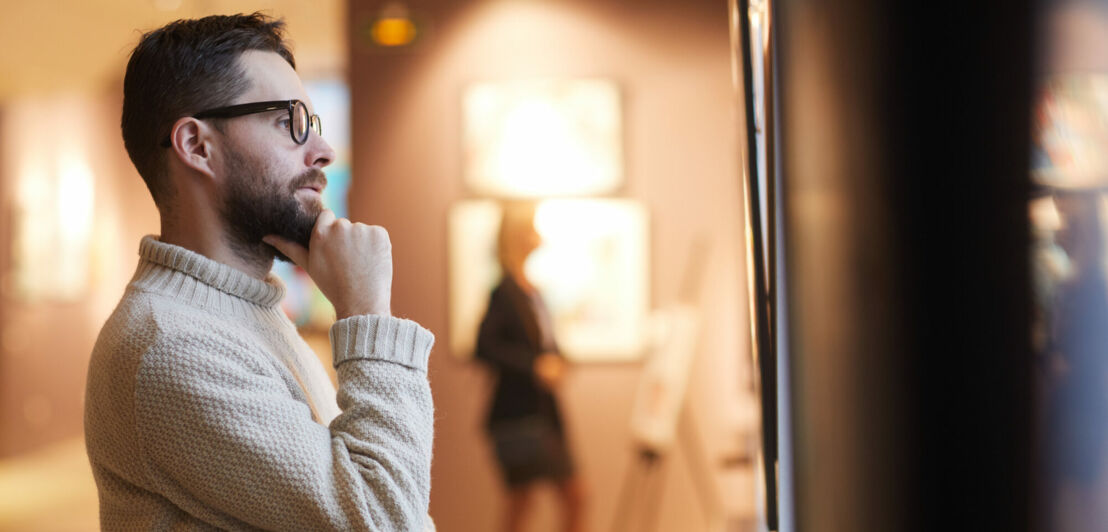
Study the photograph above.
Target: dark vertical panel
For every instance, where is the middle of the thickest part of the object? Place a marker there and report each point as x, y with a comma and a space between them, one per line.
963, 107
904, 167
841, 269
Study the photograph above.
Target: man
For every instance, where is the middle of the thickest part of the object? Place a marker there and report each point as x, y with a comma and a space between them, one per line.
205, 409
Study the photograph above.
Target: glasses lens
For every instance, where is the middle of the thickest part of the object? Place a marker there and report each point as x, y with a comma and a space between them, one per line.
300, 123
316, 125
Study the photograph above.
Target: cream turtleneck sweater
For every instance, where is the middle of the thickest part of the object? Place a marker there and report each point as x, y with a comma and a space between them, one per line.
205, 409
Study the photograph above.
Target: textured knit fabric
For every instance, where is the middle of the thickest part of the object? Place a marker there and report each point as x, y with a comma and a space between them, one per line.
206, 410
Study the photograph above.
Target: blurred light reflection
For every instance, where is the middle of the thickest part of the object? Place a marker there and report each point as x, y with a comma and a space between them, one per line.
1069, 222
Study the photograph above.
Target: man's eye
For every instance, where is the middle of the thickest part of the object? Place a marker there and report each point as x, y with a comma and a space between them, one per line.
285, 123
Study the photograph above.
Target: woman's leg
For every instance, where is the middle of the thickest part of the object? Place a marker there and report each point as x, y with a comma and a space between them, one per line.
519, 506
573, 504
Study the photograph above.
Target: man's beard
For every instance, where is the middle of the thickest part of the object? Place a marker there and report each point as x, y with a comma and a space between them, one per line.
256, 205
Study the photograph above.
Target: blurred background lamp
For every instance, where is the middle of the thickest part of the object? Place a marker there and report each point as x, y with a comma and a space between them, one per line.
394, 26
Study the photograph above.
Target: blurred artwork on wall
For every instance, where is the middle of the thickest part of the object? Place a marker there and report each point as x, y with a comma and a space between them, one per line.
1071, 125
52, 197
538, 138
591, 269
304, 303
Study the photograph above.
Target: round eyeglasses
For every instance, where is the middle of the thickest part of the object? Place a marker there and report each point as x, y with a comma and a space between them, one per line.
301, 124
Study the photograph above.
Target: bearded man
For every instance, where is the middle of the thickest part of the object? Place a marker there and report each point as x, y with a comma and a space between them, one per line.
205, 409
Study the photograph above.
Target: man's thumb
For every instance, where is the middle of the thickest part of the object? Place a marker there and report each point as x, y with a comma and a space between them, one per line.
295, 252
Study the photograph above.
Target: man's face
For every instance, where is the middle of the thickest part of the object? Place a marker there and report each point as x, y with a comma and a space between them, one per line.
259, 201
270, 184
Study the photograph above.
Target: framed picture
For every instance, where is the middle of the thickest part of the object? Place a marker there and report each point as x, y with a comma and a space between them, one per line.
53, 187
591, 270
541, 138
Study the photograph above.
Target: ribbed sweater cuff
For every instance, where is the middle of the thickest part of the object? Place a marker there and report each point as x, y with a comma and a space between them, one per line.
381, 338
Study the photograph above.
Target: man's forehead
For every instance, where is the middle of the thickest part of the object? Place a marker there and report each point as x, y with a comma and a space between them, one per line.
271, 77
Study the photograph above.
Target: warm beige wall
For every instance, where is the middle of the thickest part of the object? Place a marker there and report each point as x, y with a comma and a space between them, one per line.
1076, 36
73, 52
671, 60
45, 345
83, 45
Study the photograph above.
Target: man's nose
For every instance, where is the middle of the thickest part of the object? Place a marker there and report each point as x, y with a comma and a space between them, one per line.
320, 153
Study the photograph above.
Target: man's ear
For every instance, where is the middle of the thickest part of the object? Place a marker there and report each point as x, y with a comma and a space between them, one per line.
191, 143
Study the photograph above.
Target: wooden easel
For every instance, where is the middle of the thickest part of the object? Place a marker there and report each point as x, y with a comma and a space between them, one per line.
640, 494
642, 485
641, 491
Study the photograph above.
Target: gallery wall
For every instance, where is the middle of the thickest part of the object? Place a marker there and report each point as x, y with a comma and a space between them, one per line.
681, 161
47, 334
60, 99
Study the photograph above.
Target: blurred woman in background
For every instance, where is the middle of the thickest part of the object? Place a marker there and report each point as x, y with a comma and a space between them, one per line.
516, 340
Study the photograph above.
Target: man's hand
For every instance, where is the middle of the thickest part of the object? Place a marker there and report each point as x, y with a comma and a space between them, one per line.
351, 263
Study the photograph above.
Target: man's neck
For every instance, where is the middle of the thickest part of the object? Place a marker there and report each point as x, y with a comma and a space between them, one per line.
255, 261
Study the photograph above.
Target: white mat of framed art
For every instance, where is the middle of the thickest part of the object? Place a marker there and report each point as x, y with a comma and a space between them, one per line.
592, 271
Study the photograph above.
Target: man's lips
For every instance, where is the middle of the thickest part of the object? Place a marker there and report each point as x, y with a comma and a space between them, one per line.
313, 180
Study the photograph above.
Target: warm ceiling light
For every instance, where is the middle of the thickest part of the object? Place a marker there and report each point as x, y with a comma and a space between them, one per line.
394, 26
393, 31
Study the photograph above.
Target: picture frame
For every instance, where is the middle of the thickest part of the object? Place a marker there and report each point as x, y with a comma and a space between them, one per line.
538, 138
591, 270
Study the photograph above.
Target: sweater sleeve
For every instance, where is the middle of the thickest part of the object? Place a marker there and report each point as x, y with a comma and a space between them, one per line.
228, 443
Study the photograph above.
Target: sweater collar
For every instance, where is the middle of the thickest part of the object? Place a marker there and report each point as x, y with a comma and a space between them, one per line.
266, 293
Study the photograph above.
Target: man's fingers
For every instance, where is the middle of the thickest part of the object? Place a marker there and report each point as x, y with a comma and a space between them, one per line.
325, 218
297, 253
294, 251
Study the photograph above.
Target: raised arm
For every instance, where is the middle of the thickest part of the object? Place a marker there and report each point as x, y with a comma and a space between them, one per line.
230, 444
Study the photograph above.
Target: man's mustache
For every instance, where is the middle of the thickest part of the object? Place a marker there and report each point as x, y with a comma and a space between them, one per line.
311, 176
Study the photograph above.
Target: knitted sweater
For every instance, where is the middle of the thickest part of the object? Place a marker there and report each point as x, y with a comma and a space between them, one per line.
206, 410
